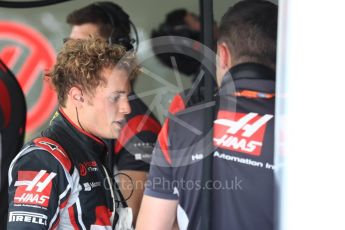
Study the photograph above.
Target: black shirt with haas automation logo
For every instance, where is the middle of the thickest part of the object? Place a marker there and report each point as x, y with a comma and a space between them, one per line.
243, 136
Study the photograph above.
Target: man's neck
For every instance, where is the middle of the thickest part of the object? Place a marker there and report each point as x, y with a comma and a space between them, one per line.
72, 113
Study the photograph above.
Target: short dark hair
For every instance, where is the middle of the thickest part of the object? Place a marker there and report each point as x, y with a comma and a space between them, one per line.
176, 17
249, 28
175, 25
94, 13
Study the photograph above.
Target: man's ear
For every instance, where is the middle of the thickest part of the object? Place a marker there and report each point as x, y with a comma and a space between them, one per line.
76, 96
223, 61
224, 56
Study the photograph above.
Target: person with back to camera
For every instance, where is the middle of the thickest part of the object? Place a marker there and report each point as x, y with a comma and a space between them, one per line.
243, 136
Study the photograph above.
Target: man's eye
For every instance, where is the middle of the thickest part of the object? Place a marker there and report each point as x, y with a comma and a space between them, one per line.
114, 98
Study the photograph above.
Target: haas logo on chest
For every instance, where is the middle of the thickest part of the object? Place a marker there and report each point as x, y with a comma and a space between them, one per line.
240, 132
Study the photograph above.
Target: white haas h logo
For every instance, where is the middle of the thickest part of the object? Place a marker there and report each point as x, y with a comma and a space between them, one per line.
35, 191
242, 135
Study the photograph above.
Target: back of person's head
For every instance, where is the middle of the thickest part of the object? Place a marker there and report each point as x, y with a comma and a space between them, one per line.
249, 28
176, 17
112, 20
180, 23
80, 63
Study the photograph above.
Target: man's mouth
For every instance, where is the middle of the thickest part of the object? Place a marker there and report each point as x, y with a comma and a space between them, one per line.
120, 123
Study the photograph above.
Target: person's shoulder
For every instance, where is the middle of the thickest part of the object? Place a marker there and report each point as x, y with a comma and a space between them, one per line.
187, 98
190, 121
193, 114
42, 153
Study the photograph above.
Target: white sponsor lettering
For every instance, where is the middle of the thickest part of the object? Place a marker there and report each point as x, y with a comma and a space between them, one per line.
238, 159
88, 186
32, 198
197, 156
29, 217
235, 143
138, 156
92, 169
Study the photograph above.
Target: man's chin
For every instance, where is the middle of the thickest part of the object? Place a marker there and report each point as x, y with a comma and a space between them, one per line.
115, 134
112, 134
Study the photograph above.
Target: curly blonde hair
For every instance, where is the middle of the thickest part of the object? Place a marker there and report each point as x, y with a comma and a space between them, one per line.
80, 63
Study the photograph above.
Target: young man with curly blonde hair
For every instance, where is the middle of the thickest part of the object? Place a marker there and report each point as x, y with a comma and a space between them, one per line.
131, 152
59, 179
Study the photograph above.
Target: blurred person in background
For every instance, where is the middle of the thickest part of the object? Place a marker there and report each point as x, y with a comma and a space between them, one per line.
181, 23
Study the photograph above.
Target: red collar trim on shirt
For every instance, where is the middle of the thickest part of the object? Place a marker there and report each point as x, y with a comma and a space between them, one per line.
81, 130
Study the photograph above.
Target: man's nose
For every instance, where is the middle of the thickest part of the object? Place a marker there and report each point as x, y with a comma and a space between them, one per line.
125, 108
